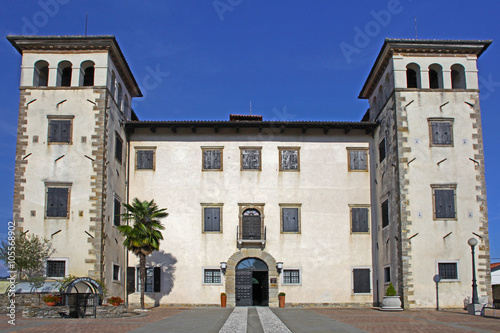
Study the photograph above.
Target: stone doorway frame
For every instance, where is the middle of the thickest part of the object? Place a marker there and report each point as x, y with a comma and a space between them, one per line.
231, 274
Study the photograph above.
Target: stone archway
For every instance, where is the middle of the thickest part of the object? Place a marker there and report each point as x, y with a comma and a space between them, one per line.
231, 274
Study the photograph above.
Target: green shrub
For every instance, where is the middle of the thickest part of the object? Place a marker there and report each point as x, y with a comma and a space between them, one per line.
281, 294
390, 290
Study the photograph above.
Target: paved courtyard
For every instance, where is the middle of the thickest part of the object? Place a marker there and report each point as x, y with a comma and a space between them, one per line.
263, 319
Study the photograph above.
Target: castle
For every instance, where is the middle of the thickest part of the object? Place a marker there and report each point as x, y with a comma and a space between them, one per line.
328, 212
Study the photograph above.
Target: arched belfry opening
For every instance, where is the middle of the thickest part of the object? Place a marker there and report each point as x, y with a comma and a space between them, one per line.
252, 279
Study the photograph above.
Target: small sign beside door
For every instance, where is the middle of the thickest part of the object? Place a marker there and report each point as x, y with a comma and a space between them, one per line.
273, 282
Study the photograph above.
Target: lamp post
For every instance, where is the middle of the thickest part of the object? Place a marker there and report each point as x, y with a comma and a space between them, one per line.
473, 242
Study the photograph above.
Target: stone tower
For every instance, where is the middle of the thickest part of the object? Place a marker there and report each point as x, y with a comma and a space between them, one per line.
75, 96
428, 185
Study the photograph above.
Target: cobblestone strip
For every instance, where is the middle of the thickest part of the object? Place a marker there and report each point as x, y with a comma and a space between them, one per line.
237, 321
270, 322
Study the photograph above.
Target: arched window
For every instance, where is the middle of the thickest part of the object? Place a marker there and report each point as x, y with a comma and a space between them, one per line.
387, 86
41, 75
413, 76
119, 99
112, 85
381, 99
435, 76
64, 74
87, 69
457, 77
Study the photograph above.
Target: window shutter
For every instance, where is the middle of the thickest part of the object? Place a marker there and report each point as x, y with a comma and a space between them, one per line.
445, 203
145, 159
361, 280
359, 219
250, 159
54, 131
357, 159
157, 280
441, 133
116, 220
130, 280
289, 159
290, 219
65, 131
212, 219
57, 202
211, 159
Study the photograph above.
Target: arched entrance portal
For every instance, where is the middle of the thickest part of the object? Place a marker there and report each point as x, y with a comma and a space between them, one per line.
252, 288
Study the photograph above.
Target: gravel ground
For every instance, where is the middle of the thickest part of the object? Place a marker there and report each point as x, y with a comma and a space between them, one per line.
271, 323
237, 321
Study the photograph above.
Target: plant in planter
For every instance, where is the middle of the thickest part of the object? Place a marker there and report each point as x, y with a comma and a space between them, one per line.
51, 300
281, 297
223, 300
115, 301
391, 301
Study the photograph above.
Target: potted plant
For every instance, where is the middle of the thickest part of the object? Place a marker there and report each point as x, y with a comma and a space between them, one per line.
115, 301
51, 300
391, 301
281, 297
223, 300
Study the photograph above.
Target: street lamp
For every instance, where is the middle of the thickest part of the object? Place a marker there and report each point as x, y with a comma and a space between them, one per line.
472, 243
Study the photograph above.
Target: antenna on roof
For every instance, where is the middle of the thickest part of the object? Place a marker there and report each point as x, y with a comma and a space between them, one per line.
415, 27
250, 107
86, 17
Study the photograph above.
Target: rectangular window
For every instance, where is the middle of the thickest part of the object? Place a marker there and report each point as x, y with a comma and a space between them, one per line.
117, 211
118, 148
448, 270
250, 158
60, 128
385, 213
289, 158
145, 159
291, 276
444, 201
358, 159
57, 205
212, 219
387, 274
381, 150
441, 132
130, 280
116, 272
290, 218
56, 268
359, 219
211, 276
361, 280
212, 159
153, 279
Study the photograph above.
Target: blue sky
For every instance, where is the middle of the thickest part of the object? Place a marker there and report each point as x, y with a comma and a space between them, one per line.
211, 58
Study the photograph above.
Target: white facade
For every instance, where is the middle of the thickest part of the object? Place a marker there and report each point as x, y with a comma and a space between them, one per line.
341, 232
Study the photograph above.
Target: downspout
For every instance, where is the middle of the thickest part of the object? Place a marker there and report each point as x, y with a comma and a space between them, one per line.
127, 189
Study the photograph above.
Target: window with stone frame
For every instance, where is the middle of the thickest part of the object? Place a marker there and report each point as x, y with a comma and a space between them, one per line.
359, 219
212, 276
116, 272
251, 158
153, 279
441, 132
145, 158
357, 159
289, 158
212, 158
117, 212
387, 274
291, 276
57, 200
212, 217
361, 280
56, 268
60, 129
444, 201
385, 213
290, 218
448, 270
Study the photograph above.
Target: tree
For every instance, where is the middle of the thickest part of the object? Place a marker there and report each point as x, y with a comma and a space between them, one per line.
31, 251
144, 236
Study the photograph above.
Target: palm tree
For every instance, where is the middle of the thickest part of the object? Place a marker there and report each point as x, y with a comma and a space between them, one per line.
144, 236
